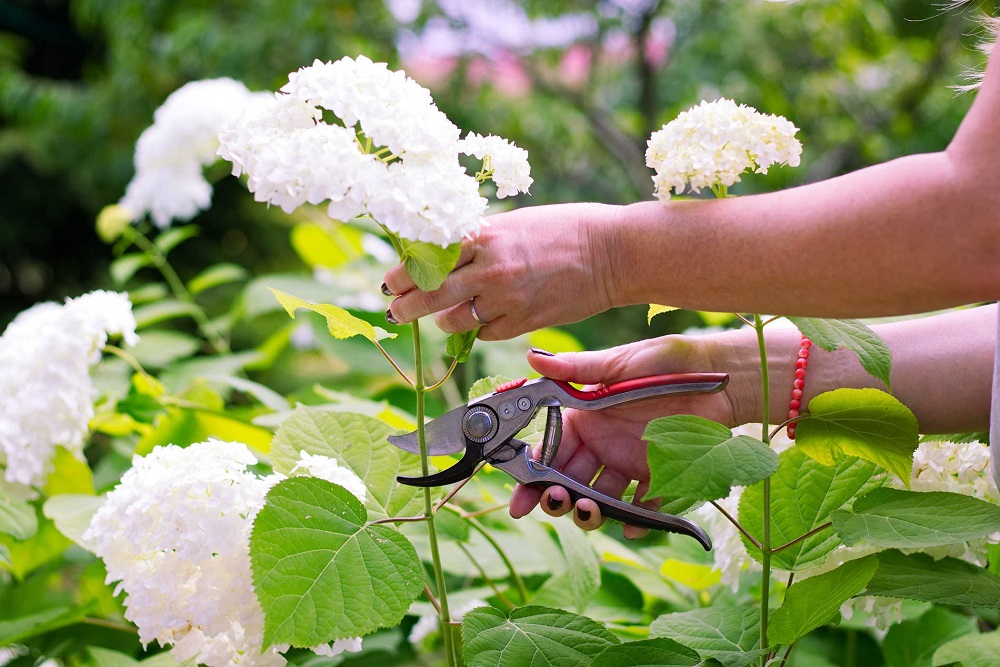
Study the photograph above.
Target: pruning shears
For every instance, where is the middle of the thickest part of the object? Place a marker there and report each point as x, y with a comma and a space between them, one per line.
485, 428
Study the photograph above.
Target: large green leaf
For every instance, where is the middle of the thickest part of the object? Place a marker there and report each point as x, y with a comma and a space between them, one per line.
803, 494
815, 601
580, 580
339, 322
970, 650
731, 635
429, 264
874, 355
71, 513
17, 517
892, 518
866, 423
913, 642
357, 442
322, 572
660, 652
692, 457
532, 635
947, 581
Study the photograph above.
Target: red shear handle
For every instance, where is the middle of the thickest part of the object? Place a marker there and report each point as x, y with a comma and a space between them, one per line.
644, 387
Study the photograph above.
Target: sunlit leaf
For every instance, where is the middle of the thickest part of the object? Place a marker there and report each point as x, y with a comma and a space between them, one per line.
17, 517
340, 323
866, 423
71, 513
329, 246
655, 310
322, 572
874, 355
532, 635
428, 264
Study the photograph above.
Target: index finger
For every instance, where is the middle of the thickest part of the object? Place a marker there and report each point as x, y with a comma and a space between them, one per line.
398, 281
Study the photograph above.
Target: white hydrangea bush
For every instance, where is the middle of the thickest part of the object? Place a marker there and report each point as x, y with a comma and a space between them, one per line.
46, 391
392, 154
712, 144
175, 534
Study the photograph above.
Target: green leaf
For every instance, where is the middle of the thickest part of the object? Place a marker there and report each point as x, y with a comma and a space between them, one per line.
428, 264
577, 584
731, 635
329, 245
71, 513
173, 237
459, 345
555, 340
126, 266
693, 457
340, 323
874, 355
803, 494
17, 517
970, 651
892, 518
5, 560
487, 385
815, 601
866, 423
532, 635
661, 652
158, 348
215, 275
655, 310
947, 581
913, 643
161, 311
358, 443
24, 627
321, 572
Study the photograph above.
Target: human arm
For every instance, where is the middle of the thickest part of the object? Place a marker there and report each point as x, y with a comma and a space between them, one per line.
941, 370
912, 235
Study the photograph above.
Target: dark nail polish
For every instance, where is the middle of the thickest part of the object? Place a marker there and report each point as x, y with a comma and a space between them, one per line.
389, 318
386, 290
554, 503
544, 353
583, 514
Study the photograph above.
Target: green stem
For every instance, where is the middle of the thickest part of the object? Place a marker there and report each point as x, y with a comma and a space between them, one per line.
765, 542
521, 588
442, 593
176, 285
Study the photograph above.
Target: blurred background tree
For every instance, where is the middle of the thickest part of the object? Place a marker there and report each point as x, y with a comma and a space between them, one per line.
579, 84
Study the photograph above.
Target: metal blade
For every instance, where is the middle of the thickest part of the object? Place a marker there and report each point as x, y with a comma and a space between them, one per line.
444, 435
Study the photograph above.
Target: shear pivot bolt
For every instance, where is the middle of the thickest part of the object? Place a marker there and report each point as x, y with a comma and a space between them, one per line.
480, 424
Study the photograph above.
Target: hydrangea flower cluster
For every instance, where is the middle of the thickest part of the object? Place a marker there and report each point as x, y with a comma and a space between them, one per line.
45, 387
395, 156
712, 144
175, 534
507, 164
169, 156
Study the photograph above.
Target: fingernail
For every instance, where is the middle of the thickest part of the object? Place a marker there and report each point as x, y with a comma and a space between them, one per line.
544, 353
389, 317
386, 290
554, 503
583, 514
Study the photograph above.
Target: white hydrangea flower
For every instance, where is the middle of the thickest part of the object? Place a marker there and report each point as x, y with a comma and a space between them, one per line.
881, 613
46, 392
169, 156
729, 555
713, 143
509, 164
175, 536
327, 468
429, 624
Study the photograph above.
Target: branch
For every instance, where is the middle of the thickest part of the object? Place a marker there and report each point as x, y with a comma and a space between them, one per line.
737, 524
798, 539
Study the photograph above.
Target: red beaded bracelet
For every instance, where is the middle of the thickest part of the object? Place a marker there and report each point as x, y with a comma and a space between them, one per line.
798, 384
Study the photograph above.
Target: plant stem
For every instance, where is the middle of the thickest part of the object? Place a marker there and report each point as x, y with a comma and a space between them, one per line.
736, 523
159, 260
765, 543
442, 593
394, 364
802, 537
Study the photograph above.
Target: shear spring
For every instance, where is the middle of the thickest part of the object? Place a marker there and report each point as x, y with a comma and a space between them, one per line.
553, 434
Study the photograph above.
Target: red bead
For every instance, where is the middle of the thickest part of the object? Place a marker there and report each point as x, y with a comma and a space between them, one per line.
804, 353
791, 431
797, 394
801, 363
800, 373
793, 414
795, 404
799, 383
806, 343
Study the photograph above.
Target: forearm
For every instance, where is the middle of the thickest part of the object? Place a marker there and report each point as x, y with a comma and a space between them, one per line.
912, 235
941, 369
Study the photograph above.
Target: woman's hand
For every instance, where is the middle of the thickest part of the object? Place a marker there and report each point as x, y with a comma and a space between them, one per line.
610, 440
530, 268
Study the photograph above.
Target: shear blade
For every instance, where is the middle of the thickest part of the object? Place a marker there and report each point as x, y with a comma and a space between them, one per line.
444, 435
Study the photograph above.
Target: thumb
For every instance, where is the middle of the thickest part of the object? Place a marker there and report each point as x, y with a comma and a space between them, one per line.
580, 367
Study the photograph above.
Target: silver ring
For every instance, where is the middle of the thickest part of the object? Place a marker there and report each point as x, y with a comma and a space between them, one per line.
475, 315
